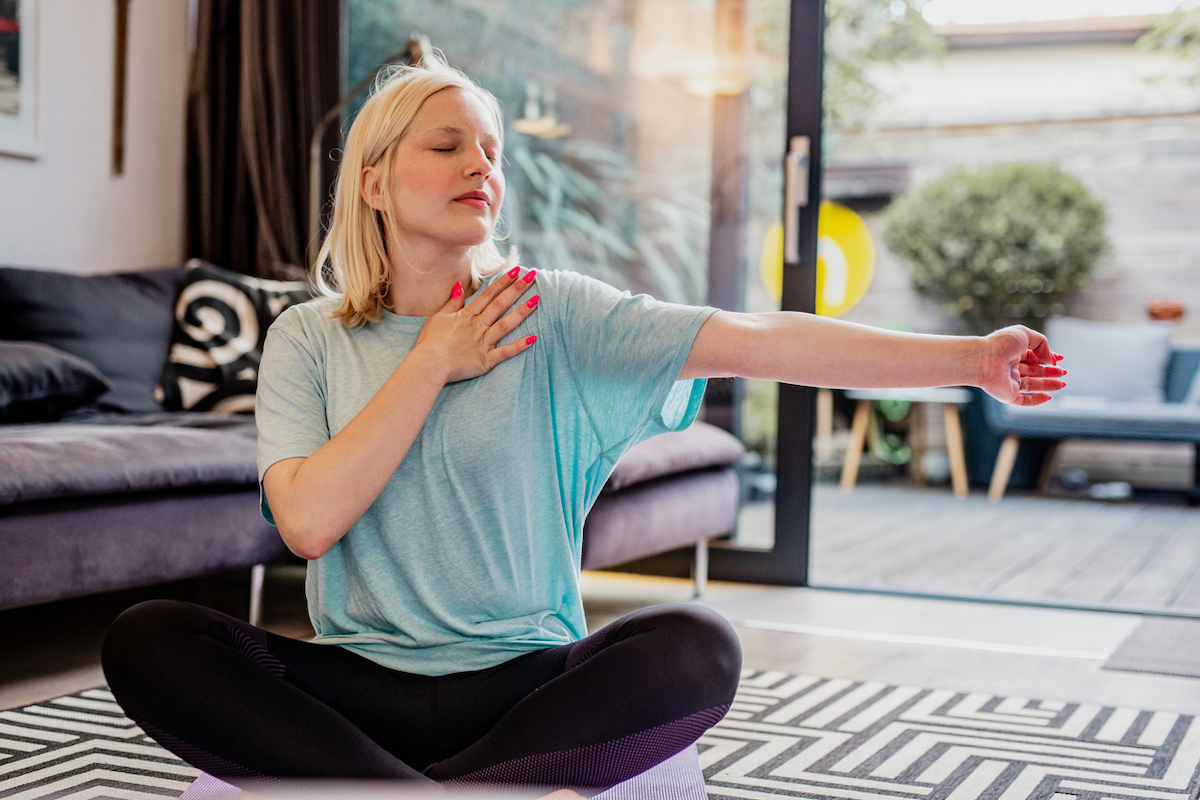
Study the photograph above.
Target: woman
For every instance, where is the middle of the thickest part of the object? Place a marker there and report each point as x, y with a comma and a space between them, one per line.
431, 436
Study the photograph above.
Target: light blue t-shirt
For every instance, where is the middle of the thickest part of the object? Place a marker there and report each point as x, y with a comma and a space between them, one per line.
470, 555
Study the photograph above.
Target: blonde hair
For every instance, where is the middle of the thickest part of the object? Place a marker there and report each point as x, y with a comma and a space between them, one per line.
353, 263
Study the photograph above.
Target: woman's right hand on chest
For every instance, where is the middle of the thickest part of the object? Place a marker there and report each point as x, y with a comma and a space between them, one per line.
462, 340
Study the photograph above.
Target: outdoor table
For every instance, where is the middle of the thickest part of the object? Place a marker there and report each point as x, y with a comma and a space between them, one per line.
949, 398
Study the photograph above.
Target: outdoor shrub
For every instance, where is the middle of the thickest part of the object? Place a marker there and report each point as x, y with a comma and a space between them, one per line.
999, 245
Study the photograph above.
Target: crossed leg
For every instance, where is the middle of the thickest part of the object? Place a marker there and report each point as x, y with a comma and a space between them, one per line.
250, 707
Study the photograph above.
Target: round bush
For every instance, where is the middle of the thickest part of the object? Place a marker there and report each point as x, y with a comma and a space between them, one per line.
999, 245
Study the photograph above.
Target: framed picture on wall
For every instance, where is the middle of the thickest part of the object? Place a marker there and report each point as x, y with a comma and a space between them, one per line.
19, 134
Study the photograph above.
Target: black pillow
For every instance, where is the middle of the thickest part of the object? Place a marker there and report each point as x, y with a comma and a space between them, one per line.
40, 383
221, 321
119, 323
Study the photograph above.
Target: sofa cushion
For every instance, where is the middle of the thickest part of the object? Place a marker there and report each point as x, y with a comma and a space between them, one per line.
119, 323
40, 382
1097, 418
125, 453
221, 321
1182, 369
1113, 360
657, 516
697, 447
1192, 398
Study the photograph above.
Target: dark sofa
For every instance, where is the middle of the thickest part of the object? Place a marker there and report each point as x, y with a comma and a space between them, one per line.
101, 488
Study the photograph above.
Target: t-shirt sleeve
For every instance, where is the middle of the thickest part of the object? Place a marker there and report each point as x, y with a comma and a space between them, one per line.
625, 353
289, 406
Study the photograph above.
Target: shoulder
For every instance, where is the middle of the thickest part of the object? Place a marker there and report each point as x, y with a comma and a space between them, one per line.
575, 291
302, 318
306, 325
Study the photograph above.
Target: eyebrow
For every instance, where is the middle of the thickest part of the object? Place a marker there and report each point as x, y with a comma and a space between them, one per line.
459, 132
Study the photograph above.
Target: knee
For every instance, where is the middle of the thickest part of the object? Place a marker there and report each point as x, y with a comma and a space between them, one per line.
705, 649
136, 637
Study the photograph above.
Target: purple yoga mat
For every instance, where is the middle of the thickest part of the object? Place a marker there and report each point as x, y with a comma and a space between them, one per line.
677, 778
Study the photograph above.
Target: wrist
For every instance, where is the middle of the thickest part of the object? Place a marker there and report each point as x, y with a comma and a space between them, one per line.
978, 360
426, 365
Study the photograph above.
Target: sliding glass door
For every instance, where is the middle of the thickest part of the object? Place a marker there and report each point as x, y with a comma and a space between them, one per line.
648, 146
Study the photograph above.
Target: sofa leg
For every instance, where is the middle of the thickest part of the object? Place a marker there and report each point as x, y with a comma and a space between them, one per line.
256, 585
1006, 459
1193, 498
1048, 464
700, 568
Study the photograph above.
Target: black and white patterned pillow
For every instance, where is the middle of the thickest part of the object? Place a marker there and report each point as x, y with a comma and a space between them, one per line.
221, 321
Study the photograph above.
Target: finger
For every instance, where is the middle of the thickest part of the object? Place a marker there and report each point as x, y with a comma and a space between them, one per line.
455, 303
506, 325
1041, 384
1040, 347
504, 301
1032, 357
1030, 399
505, 352
1039, 371
493, 290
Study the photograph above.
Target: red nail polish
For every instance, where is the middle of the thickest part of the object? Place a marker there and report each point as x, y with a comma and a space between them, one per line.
529, 275
533, 301
530, 339
514, 272
456, 292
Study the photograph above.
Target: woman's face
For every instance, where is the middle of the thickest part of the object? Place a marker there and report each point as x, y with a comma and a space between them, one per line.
446, 185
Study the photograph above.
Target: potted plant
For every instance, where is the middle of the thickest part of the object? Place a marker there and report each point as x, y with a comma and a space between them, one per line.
994, 247
999, 245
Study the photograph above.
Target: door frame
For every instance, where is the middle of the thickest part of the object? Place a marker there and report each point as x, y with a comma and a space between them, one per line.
786, 562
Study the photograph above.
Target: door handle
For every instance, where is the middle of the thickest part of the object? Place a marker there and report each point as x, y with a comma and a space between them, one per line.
795, 191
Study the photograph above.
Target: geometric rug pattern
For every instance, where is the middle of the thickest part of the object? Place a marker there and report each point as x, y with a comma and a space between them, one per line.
785, 736
82, 746
802, 736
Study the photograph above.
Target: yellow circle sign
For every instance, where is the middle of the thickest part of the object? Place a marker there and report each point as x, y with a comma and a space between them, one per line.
845, 260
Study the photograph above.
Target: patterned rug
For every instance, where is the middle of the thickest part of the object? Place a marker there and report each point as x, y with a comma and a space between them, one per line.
800, 736
786, 736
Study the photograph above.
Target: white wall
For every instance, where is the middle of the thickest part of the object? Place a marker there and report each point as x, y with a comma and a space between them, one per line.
66, 210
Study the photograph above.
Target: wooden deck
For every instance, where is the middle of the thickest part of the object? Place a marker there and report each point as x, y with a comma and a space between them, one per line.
893, 537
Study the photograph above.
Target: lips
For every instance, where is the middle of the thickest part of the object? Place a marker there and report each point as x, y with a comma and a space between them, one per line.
475, 199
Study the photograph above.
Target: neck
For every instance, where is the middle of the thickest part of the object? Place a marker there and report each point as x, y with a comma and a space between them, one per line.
423, 277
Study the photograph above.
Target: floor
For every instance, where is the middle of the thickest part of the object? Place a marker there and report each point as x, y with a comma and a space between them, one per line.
1142, 554
1035, 652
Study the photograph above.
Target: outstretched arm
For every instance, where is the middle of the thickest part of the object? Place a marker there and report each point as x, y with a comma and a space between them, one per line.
1014, 364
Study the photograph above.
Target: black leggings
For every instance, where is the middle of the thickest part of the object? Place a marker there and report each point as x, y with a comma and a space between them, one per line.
250, 707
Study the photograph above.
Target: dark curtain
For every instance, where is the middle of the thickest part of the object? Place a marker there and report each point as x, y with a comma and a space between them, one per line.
263, 73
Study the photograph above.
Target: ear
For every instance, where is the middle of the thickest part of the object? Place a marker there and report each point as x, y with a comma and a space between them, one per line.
371, 189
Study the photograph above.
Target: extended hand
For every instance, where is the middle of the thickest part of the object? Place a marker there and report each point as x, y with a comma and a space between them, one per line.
463, 340
1019, 367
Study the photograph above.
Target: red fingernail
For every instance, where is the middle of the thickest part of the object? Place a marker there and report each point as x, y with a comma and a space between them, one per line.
514, 272
530, 339
529, 275
533, 301
456, 292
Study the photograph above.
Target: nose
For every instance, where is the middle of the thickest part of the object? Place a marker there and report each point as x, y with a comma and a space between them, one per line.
479, 164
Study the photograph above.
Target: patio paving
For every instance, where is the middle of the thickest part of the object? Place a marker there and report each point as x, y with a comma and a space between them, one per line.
1122, 555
